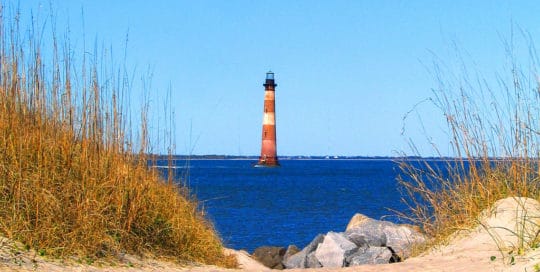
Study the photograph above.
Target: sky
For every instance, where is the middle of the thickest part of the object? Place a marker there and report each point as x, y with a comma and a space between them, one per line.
347, 71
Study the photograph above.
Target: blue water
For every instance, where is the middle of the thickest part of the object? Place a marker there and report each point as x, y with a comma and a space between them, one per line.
251, 207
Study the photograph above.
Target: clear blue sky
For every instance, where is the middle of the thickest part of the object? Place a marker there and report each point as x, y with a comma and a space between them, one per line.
347, 71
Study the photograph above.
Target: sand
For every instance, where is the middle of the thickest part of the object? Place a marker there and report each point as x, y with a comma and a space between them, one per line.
491, 246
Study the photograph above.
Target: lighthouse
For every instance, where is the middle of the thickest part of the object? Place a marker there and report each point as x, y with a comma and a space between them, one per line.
268, 156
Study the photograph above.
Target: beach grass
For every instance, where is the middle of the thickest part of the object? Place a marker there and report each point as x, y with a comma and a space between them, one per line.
494, 132
73, 179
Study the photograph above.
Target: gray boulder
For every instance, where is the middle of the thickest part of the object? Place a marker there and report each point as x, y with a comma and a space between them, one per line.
362, 237
335, 248
299, 260
270, 256
363, 231
357, 220
370, 255
401, 239
291, 250
312, 261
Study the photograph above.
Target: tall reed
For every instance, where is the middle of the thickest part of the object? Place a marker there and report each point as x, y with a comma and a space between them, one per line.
494, 130
72, 179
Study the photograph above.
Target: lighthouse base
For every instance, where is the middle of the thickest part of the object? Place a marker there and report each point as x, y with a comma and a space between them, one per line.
267, 161
264, 165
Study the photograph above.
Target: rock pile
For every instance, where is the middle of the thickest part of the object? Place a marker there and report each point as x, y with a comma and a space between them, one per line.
365, 241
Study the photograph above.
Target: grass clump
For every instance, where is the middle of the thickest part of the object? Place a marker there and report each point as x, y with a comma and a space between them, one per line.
71, 183
494, 132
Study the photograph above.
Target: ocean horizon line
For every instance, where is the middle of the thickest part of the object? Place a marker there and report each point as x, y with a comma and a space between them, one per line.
324, 157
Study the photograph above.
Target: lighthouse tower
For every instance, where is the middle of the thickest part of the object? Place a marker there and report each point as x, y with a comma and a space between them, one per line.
268, 148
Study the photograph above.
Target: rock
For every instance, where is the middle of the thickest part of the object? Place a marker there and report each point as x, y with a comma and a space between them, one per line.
299, 260
367, 236
270, 256
312, 261
357, 220
314, 244
370, 255
399, 238
334, 249
291, 250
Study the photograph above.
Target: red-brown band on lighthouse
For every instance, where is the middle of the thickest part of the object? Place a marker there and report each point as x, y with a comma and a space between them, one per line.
268, 148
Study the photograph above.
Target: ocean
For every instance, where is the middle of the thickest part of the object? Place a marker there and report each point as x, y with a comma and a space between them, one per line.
252, 207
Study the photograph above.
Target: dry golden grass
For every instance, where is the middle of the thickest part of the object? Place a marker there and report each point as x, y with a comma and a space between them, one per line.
70, 183
494, 134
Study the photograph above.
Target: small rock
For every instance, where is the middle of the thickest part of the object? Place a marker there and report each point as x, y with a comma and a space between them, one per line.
370, 255
270, 256
299, 260
366, 236
312, 261
334, 249
401, 239
357, 220
312, 246
291, 250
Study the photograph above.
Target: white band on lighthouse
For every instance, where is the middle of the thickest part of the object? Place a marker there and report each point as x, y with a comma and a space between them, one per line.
269, 118
269, 95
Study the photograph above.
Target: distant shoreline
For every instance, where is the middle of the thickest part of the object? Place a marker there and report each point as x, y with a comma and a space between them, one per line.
312, 158
234, 157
